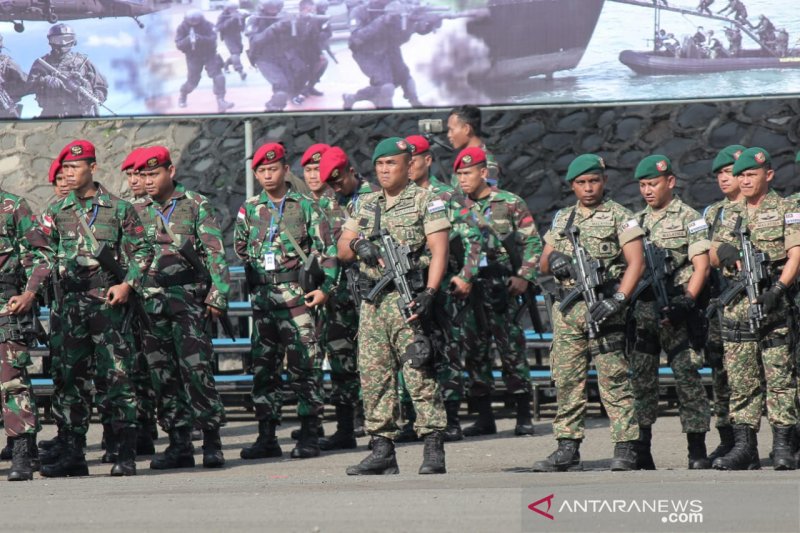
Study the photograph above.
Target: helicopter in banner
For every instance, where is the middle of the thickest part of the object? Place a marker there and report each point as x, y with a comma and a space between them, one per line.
52, 11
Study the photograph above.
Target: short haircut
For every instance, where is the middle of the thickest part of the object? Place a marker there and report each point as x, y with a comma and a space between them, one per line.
471, 115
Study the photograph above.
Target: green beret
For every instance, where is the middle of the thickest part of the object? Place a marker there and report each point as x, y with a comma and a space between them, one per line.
585, 164
389, 147
727, 156
653, 166
751, 158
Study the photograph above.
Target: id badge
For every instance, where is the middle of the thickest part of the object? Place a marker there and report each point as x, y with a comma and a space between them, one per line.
269, 261
483, 262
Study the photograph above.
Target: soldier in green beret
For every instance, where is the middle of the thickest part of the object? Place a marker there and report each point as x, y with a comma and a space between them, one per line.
757, 330
610, 235
668, 310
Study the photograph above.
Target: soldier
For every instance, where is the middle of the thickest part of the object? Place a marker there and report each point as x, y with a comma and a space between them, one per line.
66, 83
318, 33
704, 6
734, 37
230, 26
609, 233
504, 221
754, 331
319, 190
277, 233
722, 167
180, 301
388, 339
680, 231
93, 307
463, 131
56, 178
766, 31
13, 85
196, 38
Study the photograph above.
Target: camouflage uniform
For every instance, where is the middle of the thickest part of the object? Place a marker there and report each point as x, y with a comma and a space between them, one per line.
681, 231
383, 334
177, 346
63, 102
604, 231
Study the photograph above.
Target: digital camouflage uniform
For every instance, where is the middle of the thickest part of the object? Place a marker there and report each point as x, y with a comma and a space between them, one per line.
794, 199
94, 346
177, 346
283, 325
681, 231
774, 229
604, 230
383, 334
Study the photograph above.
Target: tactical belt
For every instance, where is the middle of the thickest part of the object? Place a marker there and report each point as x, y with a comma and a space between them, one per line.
273, 278
365, 285
184, 277
735, 331
84, 285
5, 321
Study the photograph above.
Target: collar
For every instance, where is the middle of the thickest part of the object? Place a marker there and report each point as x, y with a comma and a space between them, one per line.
101, 198
587, 212
263, 198
177, 194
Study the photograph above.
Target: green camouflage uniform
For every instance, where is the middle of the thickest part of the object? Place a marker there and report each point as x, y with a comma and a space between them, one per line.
24, 266
774, 228
604, 230
282, 324
94, 346
383, 334
506, 213
681, 231
178, 347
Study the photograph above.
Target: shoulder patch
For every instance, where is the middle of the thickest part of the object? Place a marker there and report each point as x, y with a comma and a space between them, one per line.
698, 225
435, 206
242, 213
792, 218
632, 223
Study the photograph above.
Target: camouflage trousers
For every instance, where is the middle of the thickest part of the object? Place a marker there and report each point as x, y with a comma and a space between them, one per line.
715, 354
56, 341
569, 361
383, 338
95, 349
742, 364
652, 337
288, 332
18, 404
338, 330
180, 359
146, 400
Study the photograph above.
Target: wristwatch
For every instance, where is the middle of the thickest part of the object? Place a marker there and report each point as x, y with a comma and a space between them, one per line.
620, 297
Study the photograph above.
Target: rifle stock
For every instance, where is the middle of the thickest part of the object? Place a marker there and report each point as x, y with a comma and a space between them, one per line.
105, 257
188, 252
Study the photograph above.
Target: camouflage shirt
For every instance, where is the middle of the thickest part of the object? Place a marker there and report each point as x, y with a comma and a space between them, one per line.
351, 203
409, 218
329, 207
190, 217
508, 214
65, 101
604, 230
23, 248
113, 223
680, 230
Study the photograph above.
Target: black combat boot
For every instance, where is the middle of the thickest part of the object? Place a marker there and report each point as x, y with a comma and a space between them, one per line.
51, 455
308, 444
433, 454
126, 454
566, 458
358, 422
179, 452
453, 431
624, 456
644, 458
744, 454
144, 440
484, 425
343, 438
55, 441
697, 451
212, 449
296, 432
266, 445
7, 452
33, 449
725, 443
407, 433
112, 444
72, 461
524, 423
380, 462
782, 456
21, 468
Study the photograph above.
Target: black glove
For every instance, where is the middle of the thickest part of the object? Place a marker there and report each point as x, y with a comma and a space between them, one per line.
728, 255
53, 83
771, 299
423, 302
561, 266
366, 251
679, 308
604, 309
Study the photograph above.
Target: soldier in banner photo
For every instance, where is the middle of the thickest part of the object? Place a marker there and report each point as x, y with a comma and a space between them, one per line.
13, 85
66, 83
230, 26
197, 39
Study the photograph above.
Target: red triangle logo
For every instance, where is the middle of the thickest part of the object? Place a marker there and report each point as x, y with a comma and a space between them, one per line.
549, 499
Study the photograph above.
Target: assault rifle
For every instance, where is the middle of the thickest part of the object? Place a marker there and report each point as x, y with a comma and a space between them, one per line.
396, 269
105, 257
351, 273
589, 273
529, 296
658, 276
410, 12
73, 87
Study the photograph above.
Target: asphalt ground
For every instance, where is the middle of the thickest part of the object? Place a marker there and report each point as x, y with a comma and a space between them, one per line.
488, 487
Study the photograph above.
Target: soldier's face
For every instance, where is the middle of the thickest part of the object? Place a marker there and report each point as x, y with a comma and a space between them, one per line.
728, 184
271, 176
392, 171
78, 173
345, 183
657, 192
135, 182
472, 179
420, 166
60, 184
755, 182
589, 188
458, 132
158, 181
311, 177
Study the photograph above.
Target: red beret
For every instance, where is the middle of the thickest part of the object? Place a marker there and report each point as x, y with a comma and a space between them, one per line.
469, 157
78, 151
55, 168
130, 160
313, 154
419, 144
152, 157
333, 163
268, 153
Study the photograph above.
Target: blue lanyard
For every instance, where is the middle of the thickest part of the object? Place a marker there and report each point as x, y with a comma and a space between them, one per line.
169, 213
356, 198
94, 215
273, 226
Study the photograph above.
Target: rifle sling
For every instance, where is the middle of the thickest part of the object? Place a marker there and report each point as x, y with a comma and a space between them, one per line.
291, 238
87, 231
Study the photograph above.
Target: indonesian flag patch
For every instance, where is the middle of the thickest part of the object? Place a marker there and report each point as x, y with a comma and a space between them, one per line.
242, 213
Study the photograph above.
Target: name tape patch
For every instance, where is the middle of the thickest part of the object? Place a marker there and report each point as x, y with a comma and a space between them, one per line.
698, 225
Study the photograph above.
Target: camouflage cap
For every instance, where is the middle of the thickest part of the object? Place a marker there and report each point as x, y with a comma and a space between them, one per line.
585, 164
55, 168
418, 144
313, 154
653, 166
152, 157
268, 153
469, 157
727, 156
333, 164
389, 147
78, 151
751, 158
130, 160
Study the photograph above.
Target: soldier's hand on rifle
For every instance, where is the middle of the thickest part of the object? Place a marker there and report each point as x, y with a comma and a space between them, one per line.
459, 287
52, 82
315, 298
605, 309
517, 285
21, 304
118, 294
213, 312
366, 251
679, 308
421, 305
561, 266
771, 299
728, 255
